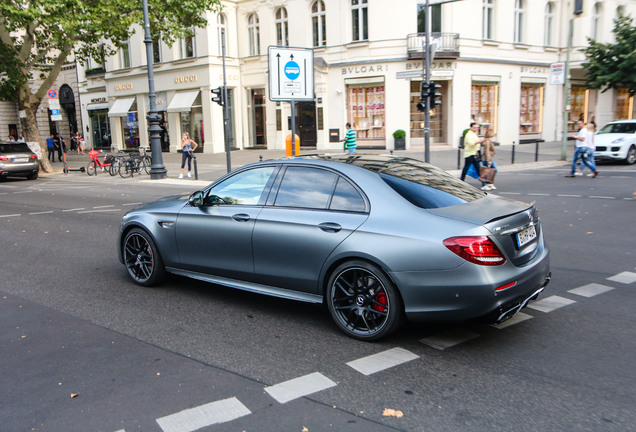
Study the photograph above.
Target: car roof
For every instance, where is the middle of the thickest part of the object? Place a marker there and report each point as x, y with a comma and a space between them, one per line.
622, 121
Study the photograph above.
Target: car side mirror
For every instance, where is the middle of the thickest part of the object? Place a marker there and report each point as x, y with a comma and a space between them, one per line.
196, 199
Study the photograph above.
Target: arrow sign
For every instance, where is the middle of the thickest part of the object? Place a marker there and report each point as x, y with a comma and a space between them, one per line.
291, 74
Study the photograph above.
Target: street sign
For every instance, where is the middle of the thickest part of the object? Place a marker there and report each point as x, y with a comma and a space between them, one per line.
54, 104
55, 115
52, 94
291, 73
557, 73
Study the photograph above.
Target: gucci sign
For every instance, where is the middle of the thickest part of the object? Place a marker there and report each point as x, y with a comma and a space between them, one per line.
186, 78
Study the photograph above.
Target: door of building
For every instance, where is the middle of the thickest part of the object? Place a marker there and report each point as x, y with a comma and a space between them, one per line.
306, 123
101, 130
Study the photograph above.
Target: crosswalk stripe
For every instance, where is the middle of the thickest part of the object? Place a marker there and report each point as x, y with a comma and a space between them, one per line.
591, 290
624, 277
381, 361
449, 339
299, 387
205, 415
550, 304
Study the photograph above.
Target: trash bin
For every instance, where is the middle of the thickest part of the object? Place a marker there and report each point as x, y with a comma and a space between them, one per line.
288, 146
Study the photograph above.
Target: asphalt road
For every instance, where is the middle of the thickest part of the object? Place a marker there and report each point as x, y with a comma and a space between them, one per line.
83, 348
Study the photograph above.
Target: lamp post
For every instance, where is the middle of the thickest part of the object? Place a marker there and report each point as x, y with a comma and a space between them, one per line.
157, 169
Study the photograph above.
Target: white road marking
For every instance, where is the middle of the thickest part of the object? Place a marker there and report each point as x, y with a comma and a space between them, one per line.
11, 215
299, 387
624, 277
205, 415
104, 206
132, 204
602, 197
510, 193
550, 304
591, 290
539, 194
23, 192
570, 196
381, 361
42, 212
449, 339
520, 317
98, 211
72, 210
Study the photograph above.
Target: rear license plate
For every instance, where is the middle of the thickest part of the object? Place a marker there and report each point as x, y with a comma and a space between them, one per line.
526, 236
18, 160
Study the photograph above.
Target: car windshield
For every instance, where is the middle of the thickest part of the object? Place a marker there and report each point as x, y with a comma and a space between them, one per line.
14, 148
422, 184
618, 128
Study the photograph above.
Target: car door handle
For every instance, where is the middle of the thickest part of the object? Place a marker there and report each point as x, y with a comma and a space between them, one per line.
330, 227
241, 217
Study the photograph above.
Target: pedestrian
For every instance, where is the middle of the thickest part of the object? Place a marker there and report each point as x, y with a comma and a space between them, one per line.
74, 141
50, 146
21, 139
471, 149
583, 139
350, 139
81, 145
488, 158
188, 146
11, 139
590, 147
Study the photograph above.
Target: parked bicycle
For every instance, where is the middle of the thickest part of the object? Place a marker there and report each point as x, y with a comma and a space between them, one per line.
106, 164
135, 163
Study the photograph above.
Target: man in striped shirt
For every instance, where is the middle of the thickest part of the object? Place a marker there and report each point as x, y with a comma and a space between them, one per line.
350, 139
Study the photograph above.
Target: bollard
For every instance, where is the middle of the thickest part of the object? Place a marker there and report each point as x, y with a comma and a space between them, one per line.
536, 151
196, 171
459, 154
513, 152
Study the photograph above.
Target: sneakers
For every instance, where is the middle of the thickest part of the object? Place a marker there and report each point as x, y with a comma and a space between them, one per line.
189, 175
488, 187
180, 176
578, 173
594, 175
570, 175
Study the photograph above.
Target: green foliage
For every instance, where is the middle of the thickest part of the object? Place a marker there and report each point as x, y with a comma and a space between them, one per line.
613, 65
399, 134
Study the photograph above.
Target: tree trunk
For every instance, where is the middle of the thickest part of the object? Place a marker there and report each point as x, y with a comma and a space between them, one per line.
29, 124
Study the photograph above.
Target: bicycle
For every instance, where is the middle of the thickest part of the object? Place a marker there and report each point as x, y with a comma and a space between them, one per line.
106, 164
135, 163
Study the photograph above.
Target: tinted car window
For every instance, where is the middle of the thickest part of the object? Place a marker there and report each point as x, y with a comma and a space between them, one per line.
14, 148
244, 188
347, 198
306, 187
618, 128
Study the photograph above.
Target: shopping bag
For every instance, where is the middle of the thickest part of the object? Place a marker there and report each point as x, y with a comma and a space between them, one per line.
487, 174
472, 172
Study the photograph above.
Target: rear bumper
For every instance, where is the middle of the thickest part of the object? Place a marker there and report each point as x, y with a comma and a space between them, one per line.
19, 170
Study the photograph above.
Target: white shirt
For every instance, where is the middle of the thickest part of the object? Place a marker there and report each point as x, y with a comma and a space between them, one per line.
582, 134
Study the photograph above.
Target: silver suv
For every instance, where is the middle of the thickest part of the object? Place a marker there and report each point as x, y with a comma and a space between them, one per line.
17, 159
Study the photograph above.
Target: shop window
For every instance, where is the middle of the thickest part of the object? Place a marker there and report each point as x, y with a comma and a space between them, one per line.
319, 23
624, 105
484, 106
366, 111
578, 99
531, 110
130, 126
192, 122
437, 115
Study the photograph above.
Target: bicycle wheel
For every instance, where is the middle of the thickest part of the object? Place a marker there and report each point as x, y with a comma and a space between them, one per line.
113, 169
126, 168
147, 163
90, 168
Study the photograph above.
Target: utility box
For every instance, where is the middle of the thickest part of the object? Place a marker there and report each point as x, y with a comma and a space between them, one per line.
334, 135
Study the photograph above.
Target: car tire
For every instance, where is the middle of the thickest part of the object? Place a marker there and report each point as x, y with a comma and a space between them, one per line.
33, 176
631, 155
363, 301
141, 258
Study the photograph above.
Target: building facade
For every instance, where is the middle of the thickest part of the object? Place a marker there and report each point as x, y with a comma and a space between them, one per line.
493, 62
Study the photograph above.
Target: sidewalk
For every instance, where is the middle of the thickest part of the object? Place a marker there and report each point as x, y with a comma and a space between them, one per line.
212, 166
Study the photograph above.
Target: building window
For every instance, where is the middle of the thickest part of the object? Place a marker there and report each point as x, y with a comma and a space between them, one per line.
359, 20
192, 122
519, 17
578, 105
282, 27
124, 55
484, 106
366, 111
531, 110
319, 23
595, 31
156, 50
187, 46
624, 105
436, 18
548, 24
221, 28
253, 30
131, 128
487, 19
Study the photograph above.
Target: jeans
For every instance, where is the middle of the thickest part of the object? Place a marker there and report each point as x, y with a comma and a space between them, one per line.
187, 155
586, 155
470, 160
351, 149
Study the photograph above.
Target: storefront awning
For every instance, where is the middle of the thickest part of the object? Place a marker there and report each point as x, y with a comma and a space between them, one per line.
97, 106
121, 107
182, 102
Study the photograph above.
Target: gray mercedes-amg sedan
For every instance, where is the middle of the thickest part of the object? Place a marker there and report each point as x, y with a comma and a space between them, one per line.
379, 239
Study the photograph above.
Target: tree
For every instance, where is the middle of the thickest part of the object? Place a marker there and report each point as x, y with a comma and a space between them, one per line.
612, 65
37, 37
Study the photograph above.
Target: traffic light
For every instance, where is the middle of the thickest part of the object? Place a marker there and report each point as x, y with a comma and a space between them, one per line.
423, 103
434, 96
218, 95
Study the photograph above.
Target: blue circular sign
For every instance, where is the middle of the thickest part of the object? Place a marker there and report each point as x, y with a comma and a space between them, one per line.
292, 70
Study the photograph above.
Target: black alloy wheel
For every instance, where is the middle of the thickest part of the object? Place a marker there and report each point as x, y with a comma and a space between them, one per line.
631, 156
142, 260
363, 301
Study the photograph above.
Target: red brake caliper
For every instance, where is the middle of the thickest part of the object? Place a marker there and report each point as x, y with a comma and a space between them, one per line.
380, 298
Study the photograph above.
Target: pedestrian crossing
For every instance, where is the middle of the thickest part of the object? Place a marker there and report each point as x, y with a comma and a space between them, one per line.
226, 410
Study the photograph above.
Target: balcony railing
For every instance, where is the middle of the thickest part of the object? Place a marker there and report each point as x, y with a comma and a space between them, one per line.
447, 45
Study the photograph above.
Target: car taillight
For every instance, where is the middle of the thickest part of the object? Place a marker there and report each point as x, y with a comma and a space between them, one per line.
34, 156
3, 158
476, 249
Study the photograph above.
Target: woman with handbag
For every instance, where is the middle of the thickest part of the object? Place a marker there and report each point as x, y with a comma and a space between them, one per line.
488, 169
188, 146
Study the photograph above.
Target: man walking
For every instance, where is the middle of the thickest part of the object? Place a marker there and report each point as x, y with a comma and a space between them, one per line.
584, 142
472, 144
50, 146
350, 139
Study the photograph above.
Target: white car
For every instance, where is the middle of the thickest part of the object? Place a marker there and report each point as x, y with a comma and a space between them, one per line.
616, 141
